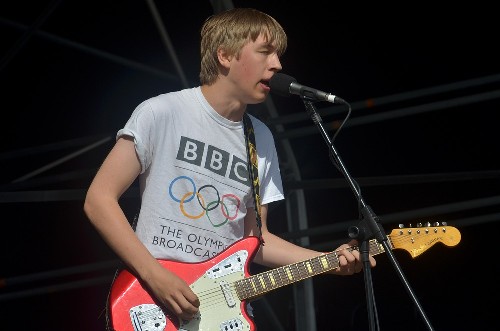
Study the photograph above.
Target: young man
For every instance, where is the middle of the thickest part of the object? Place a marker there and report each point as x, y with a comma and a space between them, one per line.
188, 147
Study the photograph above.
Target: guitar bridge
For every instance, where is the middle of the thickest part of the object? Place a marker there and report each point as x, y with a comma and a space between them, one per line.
148, 317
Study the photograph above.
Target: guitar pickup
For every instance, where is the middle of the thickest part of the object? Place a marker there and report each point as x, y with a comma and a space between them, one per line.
233, 263
231, 325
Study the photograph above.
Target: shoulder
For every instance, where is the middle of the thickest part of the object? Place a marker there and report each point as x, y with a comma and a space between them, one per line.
261, 129
167, 103
172, 98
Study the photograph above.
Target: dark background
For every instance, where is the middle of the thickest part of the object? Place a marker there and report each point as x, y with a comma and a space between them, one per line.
422, 142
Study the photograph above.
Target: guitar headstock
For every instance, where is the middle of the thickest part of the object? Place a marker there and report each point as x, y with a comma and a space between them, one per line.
418, 239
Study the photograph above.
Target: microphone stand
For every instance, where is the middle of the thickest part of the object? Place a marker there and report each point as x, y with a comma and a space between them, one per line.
368, 228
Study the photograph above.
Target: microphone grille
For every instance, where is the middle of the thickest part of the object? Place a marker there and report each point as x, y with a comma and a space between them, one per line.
280, 84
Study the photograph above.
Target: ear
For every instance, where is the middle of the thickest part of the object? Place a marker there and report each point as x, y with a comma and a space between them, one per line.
224, 58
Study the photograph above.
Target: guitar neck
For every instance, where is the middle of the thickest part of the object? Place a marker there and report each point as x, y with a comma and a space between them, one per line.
258, 285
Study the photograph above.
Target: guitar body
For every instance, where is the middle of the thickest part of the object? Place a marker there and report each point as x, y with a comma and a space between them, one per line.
223, 283
131, 308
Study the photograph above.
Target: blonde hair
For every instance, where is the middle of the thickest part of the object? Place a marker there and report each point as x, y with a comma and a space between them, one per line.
231, 30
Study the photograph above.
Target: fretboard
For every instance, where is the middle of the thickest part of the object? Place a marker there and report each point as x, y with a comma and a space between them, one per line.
257, 285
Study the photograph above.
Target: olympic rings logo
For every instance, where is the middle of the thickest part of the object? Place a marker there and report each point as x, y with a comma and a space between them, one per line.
209, 190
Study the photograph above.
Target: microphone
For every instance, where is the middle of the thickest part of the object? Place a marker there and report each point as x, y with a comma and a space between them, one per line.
285, 85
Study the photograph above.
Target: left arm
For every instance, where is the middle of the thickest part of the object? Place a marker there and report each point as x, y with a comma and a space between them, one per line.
277, 252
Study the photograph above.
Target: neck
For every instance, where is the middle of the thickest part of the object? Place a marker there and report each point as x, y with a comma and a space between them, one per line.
223, 102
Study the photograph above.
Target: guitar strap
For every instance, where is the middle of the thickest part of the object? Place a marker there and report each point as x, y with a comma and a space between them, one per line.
253, 170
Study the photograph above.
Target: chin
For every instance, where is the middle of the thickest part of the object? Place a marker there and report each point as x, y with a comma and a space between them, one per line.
258, 99
254, 102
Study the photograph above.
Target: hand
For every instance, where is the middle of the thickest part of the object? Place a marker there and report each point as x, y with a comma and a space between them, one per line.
350, 260
174, 293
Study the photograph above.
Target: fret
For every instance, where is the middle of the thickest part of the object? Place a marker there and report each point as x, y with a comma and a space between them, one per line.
309, 267
294, 268
324, 262
288, 273
303, 271
273, 281
299, 271
259, 284
254, 288
240, 286
281, 275
262, 282
377, 248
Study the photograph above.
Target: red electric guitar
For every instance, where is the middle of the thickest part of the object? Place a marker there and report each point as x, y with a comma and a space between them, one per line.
223, 283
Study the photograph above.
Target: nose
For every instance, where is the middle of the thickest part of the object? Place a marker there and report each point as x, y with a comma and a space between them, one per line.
275, 62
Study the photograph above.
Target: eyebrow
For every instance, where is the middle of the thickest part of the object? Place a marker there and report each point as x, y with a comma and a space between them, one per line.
269, 46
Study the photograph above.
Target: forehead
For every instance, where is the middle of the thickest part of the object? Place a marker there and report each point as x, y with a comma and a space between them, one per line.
262, 41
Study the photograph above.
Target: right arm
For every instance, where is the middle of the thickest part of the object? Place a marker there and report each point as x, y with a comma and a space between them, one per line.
118, 171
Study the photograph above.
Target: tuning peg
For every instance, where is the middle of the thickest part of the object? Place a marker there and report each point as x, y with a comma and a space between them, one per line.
428, 224
419, 225
436, 224
400, 226
444, 223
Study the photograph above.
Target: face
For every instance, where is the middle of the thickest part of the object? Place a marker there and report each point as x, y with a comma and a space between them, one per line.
252, 70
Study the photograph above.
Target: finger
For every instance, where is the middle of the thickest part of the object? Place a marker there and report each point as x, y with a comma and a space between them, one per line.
174, 308
192, 298
182, 308
188, 313
356, 255
188, 309
348, 256
342, 261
